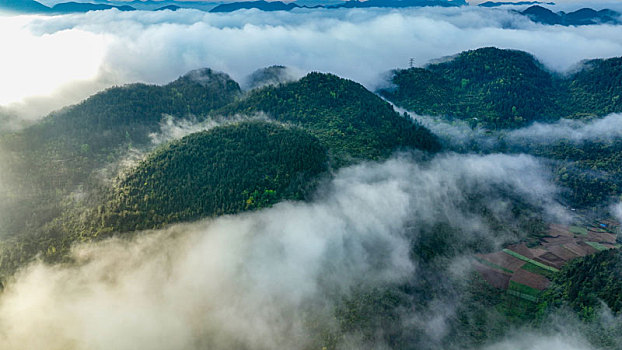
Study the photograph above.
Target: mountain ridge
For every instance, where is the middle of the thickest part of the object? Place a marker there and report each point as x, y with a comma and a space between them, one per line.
506, 89
581, 17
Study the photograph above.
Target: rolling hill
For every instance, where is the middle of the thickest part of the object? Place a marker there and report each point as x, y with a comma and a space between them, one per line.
349, 120
55, 156
28, 6
225, 170
506, 89
327, 122
581, 17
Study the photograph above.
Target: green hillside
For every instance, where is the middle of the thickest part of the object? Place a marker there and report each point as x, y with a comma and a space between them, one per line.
591, 171
54, 156
85, 135
222, 171
589, 289
351, 121
500, 89
331, 121
585, 282
597, 88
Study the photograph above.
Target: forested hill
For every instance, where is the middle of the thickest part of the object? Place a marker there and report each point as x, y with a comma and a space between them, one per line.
506, 89
586, 283
222, 171
351, 121
54, 156
597, 88
85, 135
57, 197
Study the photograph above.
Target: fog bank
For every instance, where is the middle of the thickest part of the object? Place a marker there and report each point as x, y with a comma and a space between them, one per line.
270, 278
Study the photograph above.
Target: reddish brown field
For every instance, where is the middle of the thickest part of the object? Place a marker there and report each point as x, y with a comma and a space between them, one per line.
555, 250
495, 278
504, 260
530, 279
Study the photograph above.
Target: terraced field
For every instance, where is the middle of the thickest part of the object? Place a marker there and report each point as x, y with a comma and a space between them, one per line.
524, 271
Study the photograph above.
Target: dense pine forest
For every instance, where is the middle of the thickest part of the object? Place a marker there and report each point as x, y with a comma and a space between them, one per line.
75, 147
350, 120
222, 171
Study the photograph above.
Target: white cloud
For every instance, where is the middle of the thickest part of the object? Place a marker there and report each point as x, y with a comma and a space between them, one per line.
606, 128
540, 342
261, 280
360, 44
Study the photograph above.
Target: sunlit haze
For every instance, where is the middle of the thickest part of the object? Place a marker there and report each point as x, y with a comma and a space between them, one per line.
38, 64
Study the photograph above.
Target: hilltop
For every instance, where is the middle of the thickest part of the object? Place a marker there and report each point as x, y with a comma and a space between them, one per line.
225, 170
352, 122
506, 89
323, 122
581, 17
64, 150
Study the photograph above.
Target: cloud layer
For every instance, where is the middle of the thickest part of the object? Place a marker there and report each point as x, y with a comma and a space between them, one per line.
112, 47
262, 280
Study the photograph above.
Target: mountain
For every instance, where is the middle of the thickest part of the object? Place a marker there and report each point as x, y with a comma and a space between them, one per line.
333, 122
584, 16
77, 7
221, 171
260, 5
272, 75
31, 6
168, 7
588, 284
280, 6
352, 122
518, 3
596, 88
497, 88
26, 6
588, 16
506, 89
73, 150
542, 15
399, 3
62, 152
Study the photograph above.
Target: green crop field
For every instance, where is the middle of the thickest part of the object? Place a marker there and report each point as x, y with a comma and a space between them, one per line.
578, 230
524, 258
493, 265
538, 270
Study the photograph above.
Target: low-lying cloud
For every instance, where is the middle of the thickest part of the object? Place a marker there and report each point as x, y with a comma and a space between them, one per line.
532, 341
577, 131
360, 44
616, 211
268, 279
460, 135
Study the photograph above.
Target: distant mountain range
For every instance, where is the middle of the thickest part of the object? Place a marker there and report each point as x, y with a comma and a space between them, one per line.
31, 6
281, 6
260, 5
74, 7
536, 13
520, 3
584, 16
